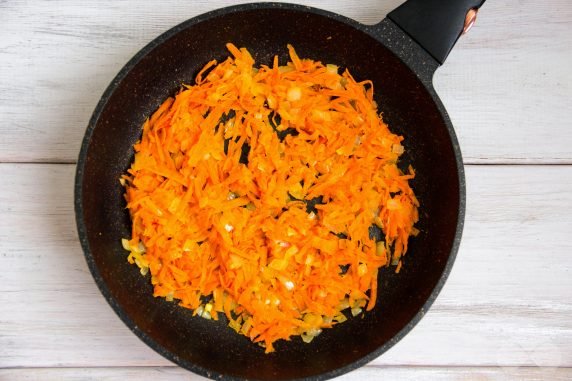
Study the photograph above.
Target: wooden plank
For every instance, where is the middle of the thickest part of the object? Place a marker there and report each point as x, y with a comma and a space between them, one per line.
507, 85
365, 373
509, 78
508, 301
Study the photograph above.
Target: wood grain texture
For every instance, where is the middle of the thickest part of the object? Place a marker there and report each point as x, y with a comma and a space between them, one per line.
508, 301
366, 373
507, 84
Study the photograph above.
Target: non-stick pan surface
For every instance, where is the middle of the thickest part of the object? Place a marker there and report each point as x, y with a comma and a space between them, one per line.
410, 107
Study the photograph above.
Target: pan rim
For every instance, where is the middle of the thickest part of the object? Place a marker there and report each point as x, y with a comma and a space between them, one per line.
93, 122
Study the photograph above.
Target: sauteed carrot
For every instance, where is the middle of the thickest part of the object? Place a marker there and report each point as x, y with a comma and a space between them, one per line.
253, 194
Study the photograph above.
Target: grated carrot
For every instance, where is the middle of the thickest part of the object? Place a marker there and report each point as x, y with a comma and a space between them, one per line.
252, 194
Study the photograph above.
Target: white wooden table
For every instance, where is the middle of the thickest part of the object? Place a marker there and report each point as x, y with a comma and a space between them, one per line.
506, 311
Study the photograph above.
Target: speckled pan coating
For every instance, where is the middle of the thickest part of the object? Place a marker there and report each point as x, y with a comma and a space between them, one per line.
405, 93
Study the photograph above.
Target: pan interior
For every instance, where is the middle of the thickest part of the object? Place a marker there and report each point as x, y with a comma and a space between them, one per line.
209, 347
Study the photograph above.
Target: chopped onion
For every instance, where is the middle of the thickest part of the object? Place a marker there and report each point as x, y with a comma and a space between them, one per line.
125, 244
310, 334
246, 326
344, 304
271, 101
227, 74
294, 94
278, 264
206, 315
293, 249
332, 68
314, 332
285, 69
282, 243
340, 318
289, 285
140, 248
234, 325
397, 148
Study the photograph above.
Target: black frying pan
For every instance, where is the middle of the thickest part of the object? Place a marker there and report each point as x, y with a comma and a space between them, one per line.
400, 55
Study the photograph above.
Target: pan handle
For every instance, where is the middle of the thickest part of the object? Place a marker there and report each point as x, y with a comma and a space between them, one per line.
436, 25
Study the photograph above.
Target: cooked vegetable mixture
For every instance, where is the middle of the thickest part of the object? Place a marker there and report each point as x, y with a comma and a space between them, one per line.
256, 194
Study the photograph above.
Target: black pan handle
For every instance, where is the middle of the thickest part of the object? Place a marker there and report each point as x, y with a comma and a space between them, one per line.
436, 25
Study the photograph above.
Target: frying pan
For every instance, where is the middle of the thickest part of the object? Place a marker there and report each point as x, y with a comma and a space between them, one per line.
400, 55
